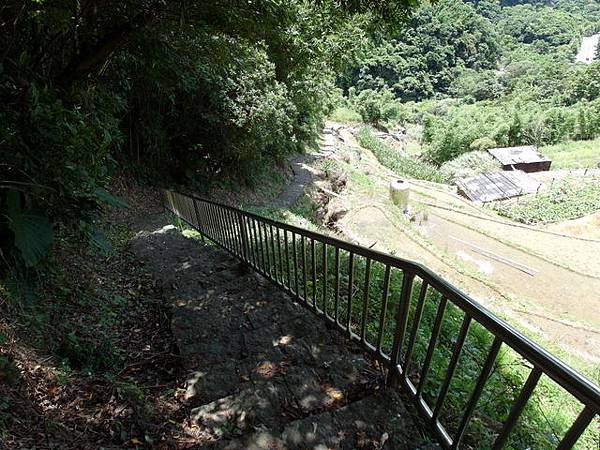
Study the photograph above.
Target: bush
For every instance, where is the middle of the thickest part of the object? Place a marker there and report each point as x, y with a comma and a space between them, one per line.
378, 107
392, 159
566, 200
468, 165
481, 144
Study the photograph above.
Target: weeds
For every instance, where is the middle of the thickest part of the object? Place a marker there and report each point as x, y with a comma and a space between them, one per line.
567, 199
394, 160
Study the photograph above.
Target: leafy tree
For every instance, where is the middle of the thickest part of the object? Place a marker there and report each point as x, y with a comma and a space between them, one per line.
196, 91
420, 60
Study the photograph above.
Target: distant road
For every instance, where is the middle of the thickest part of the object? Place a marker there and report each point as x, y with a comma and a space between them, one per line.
587, 51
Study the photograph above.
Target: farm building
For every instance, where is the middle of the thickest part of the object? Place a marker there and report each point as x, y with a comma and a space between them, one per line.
526, 158
497, 186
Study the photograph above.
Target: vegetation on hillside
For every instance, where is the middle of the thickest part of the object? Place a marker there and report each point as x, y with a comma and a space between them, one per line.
564, 200
506, 80
189, 91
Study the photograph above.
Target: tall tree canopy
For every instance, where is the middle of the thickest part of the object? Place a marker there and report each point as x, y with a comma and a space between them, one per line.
191, 89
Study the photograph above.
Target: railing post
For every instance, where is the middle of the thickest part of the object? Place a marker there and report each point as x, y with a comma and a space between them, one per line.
244, 237
200, 224
401, 319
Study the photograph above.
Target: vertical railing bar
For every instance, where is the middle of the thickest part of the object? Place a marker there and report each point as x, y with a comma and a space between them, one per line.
460, 341
325, 278
287, 259
280, 257
384, 302
365, 311
221, 226
245, 238
202, 220
205, 220
183, 209
199, 221
517, 408
186, 211
217, 228
579, 426
295, 256
481, 380
236, 233
227, 230
415, 327
350, 287
401, 319
336, 285
304, 271
251, 240
268, 268
211, 216
437, 325
272, 240
259, 249
313, 259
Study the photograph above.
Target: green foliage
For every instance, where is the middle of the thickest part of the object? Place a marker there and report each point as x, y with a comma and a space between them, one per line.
564, 200
377, 107
464, 127
479, 85
32, 232
421, 59
573, 155
344, 114
392, 159
468, 165
195, 92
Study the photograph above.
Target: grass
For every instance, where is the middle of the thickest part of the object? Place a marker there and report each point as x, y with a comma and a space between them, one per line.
566, 200
392, 159
573, 154
328, 287
345, 115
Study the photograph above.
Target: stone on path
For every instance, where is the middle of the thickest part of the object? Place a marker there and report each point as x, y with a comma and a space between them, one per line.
264, 372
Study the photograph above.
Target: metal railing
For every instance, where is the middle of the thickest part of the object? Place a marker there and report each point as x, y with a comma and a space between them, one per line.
400, 312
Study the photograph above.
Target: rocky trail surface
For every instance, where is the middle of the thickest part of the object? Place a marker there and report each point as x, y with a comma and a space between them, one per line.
264, 373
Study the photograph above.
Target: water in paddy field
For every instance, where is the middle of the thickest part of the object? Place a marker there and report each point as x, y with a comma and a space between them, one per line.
587, 51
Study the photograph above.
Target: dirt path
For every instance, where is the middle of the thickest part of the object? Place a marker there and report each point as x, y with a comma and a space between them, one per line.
559, 297
303, 173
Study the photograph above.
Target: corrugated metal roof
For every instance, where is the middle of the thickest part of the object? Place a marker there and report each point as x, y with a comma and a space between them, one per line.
517, 155
497, 185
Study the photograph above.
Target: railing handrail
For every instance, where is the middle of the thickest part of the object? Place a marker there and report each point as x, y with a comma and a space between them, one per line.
587, 392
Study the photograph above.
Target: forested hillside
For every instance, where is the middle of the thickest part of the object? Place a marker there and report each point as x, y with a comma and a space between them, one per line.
478, 74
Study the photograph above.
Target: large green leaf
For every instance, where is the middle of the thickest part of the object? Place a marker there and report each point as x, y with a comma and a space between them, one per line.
103, 195
33, 234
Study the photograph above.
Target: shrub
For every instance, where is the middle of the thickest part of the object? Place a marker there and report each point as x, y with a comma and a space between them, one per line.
392, 159
468, 165
377, 107
567, 199
481, 144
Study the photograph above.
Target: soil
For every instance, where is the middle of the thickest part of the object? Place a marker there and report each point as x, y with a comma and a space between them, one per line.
556, 302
